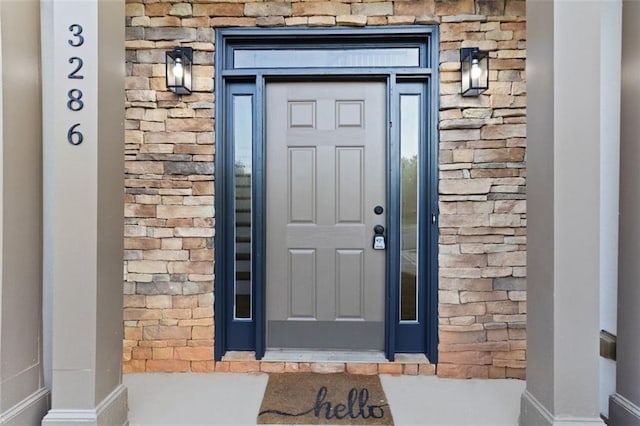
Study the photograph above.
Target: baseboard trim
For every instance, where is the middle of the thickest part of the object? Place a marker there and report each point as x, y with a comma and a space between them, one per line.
534, 413
113, 410
622, 411
30, 410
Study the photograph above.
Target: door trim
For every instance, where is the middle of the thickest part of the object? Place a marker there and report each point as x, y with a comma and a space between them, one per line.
227, 79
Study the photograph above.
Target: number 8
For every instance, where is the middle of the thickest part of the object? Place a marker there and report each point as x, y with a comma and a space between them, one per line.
75, 103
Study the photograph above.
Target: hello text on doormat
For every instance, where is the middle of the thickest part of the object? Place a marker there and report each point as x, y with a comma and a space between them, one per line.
324, 399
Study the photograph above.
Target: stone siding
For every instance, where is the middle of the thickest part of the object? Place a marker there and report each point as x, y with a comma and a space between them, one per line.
482, 246
169, 228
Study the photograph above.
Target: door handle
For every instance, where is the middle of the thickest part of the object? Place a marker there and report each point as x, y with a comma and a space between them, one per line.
379, 242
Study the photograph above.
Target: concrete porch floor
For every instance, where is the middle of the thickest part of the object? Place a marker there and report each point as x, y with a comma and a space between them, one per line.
234, 399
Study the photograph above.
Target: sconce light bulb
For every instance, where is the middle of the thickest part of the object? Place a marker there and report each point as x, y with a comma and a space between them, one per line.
177, 69
476, 72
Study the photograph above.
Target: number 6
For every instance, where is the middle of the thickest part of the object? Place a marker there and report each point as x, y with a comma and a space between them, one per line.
74, 136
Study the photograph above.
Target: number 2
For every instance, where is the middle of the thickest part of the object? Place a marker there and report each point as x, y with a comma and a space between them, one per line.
76, 31
74, 74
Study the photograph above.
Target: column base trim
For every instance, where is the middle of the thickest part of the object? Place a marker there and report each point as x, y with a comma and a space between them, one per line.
533, 412
113, 410
622, 411
28, 411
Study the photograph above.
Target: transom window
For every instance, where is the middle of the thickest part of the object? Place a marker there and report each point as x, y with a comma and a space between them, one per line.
331, 58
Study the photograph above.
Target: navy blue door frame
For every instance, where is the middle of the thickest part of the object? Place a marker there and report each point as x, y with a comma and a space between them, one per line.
420, 80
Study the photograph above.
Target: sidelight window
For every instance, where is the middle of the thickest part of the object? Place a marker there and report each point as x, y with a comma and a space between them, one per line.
416, 275
409, 202
242, 153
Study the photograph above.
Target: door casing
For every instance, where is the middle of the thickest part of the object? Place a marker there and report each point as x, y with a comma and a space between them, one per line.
253, 80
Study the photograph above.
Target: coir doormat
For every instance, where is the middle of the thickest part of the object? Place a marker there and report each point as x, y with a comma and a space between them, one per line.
324, 399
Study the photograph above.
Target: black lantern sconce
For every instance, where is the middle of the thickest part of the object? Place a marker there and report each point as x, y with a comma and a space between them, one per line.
178, 70
475, 71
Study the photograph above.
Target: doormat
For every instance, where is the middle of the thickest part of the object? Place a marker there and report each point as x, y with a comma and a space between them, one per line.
324, 399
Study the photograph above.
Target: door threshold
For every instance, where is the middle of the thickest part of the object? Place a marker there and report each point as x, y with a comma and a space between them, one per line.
324, 356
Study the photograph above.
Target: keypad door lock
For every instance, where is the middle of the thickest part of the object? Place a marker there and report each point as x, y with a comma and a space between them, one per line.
379, 242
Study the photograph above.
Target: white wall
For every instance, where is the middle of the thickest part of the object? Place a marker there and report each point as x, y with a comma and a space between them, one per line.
23, 398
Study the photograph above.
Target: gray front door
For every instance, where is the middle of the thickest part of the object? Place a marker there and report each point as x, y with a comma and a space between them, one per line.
326, 172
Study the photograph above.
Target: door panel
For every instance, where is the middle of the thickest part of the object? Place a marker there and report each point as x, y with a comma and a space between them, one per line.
326, 171
301, 180
349, 184
349, 284
302, 284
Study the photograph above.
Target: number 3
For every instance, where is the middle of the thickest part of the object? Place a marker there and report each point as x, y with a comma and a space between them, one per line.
76, 30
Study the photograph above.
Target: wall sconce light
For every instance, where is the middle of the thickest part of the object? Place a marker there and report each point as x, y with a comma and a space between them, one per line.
475, 71
178, 70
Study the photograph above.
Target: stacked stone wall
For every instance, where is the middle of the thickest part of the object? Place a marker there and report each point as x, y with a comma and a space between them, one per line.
482, 245
169, 215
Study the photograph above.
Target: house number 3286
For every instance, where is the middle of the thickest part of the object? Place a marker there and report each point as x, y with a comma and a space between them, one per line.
74, 101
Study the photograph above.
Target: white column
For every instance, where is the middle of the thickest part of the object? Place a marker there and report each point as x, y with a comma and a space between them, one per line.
624, 408
565, 152
83, 79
